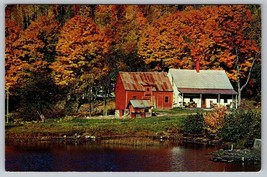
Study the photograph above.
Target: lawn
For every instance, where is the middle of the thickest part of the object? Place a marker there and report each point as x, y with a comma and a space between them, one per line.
99, 127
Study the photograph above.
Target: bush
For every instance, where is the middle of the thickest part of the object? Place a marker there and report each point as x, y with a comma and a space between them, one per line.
241, 125
194, 123
214, 120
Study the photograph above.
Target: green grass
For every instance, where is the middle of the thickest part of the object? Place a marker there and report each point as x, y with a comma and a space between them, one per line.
177, 111
137, 126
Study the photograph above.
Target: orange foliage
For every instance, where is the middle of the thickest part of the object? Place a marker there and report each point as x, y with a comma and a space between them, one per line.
25, 51
214, 120
219, 36
81, 52
214, 35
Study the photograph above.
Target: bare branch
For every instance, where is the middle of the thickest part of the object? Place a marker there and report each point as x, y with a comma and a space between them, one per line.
249, 74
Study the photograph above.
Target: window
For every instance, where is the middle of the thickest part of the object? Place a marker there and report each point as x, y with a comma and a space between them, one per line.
166, 99
147, 91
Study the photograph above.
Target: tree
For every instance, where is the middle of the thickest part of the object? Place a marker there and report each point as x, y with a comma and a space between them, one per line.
30, 51
80, 61
218, 36
38, 95
12, 32
240, 43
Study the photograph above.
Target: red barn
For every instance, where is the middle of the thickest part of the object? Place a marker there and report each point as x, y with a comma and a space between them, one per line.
154, 87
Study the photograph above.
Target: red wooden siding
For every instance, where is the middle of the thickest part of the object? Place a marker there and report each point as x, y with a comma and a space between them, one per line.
152, 86
120, 95
160, 100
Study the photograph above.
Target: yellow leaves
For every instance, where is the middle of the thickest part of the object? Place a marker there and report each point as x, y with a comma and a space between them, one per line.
214, 120
232, 75
81, 49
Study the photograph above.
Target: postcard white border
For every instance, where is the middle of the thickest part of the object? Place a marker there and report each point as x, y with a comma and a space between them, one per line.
3, 173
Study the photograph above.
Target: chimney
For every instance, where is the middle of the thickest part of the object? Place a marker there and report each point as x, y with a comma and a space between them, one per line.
197, 66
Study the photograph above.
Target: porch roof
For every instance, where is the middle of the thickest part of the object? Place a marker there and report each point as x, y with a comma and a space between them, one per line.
208, 91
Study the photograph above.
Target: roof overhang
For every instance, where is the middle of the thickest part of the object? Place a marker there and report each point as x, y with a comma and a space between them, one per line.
208, 91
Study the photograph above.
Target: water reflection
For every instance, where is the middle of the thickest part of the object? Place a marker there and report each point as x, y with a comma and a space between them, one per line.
97, 157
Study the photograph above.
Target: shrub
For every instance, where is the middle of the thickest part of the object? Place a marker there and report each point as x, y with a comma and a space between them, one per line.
213, 121
241, 125
194, 123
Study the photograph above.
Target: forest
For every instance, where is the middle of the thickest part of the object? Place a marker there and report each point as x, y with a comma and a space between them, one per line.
58, 57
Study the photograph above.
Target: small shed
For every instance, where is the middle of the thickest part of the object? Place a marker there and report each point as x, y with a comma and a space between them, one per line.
139, 107
201, 88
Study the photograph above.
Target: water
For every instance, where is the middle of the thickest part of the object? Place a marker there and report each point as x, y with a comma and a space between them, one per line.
97, 157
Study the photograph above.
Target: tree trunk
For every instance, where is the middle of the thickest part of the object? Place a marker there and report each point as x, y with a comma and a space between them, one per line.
239, 93
239, 87
105, 104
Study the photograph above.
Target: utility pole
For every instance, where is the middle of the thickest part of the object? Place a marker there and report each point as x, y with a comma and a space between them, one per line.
7, 103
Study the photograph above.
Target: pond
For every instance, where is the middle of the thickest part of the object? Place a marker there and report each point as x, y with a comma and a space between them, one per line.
100, 158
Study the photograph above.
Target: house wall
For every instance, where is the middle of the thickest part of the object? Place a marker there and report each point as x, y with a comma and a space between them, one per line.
177, 99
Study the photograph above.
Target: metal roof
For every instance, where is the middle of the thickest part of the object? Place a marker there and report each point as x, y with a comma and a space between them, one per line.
140, 103
204, 79
137, 81
208, 91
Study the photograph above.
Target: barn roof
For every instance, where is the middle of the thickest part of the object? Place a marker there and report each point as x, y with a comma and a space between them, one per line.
213, 81
137, 80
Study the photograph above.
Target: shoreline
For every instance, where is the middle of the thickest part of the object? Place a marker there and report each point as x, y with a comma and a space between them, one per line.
11, 138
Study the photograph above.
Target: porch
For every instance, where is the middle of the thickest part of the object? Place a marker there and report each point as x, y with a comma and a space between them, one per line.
204, 98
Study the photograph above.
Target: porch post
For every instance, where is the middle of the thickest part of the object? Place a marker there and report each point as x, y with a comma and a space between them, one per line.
182, 100
219, 99
201, 100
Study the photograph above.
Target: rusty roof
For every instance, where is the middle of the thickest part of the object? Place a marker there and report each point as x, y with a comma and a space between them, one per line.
140, 103
136, 81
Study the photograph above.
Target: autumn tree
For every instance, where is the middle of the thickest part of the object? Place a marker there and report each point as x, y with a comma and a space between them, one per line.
218, 36
240, 46
180, 39
155, 41
27, 53
31, 51
12, 32
124, 24
80, 61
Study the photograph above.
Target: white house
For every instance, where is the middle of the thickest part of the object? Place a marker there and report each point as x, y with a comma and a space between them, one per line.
201, 88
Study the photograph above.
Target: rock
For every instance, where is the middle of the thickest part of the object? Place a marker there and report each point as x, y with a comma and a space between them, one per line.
237, 156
